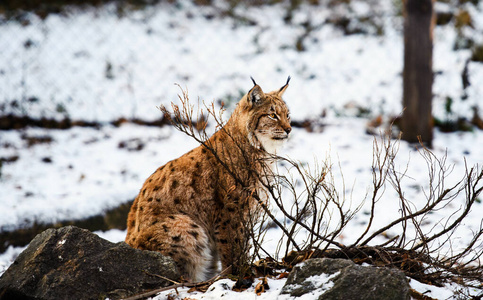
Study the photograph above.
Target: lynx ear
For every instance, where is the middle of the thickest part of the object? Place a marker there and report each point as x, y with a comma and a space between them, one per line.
283, 88
255, 95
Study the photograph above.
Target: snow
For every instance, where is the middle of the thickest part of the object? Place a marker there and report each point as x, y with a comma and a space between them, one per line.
222, 289
126, 66
88, 172
425, 289
9, 256
321, 284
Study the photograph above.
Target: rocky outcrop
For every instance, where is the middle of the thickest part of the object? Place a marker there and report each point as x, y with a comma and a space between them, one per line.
330, 279
73, 263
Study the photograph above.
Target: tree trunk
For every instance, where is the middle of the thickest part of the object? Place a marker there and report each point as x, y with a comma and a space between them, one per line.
417, 120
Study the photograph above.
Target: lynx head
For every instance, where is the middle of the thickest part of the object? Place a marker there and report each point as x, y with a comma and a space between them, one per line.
267, 117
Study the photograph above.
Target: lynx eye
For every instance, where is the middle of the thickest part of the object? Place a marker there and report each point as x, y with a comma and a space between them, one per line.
272, 116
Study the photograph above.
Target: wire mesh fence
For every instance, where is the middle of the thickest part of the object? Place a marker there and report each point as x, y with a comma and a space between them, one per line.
121, 60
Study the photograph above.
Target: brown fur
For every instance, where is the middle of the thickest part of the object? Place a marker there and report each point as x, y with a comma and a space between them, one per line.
195, 208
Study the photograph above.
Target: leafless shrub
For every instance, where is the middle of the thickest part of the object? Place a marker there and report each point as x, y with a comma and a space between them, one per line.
314, 212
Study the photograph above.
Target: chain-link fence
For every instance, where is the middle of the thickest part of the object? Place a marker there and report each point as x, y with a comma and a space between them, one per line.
120, 60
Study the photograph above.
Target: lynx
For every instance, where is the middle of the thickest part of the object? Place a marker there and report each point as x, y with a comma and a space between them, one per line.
195, 208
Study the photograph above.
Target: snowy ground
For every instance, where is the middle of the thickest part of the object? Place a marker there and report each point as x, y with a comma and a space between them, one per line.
81, 172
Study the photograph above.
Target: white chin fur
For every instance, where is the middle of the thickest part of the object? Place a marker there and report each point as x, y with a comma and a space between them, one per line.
270, 145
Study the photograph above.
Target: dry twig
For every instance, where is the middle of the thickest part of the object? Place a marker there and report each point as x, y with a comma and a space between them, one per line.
319, 211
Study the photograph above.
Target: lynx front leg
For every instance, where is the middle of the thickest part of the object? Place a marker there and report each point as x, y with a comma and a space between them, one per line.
232, 239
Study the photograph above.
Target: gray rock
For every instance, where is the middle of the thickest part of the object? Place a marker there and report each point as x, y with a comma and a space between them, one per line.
330, 279
73, 263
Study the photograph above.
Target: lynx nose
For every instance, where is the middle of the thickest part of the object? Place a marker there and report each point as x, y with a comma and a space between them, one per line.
288, 129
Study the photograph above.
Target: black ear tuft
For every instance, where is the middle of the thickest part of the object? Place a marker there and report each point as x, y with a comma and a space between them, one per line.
253, 80
283, 88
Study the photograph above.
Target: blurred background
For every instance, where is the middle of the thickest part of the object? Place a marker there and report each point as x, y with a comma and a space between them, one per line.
100, 61
80, 83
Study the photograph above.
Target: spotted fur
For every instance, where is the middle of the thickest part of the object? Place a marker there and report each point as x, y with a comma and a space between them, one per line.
196, 207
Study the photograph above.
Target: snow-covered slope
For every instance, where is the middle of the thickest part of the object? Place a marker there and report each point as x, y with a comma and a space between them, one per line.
93, 65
